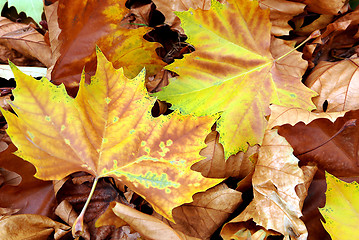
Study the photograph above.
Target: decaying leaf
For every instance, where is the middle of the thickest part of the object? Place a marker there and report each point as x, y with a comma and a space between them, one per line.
341, 211
233, 71
31, 227
276, 205
108, 130
99, 23
337, 84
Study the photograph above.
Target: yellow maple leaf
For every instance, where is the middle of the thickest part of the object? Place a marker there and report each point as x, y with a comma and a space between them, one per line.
108, 130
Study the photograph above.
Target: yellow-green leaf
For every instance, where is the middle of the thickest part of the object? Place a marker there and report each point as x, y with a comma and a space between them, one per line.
233, 71
108, 130
341, 211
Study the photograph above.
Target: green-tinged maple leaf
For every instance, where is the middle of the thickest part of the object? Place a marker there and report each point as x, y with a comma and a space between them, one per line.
32, 8
108, 130
234, 71
84, 25
341, 211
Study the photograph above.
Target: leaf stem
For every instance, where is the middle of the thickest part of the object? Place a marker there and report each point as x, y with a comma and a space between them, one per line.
78, 226
313, 35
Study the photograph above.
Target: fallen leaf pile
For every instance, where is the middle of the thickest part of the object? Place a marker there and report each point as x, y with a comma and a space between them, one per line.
222, 119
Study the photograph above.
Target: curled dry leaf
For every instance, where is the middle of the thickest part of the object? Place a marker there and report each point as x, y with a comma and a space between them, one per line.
284, 115
216, 166
208, 211
24, 39
281, 11
276, 205
337, 84
31, 227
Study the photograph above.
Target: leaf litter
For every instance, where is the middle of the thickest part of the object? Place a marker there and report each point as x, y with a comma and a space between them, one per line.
232, 151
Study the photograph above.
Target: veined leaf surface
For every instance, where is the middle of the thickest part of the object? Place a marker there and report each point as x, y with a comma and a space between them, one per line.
234, 71
108, 130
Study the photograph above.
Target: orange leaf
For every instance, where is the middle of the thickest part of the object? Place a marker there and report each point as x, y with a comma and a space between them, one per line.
108, 130
84, 25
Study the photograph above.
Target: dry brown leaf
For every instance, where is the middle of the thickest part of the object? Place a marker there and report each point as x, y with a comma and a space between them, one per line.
281, 11
215, 165
31, 227
326, 6
338, 156
337, 84
206, 213
24, 39
276, 205
283, 115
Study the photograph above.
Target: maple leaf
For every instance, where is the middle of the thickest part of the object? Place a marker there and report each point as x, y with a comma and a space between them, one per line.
89, 23
341, 211
108, 130
232, 71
